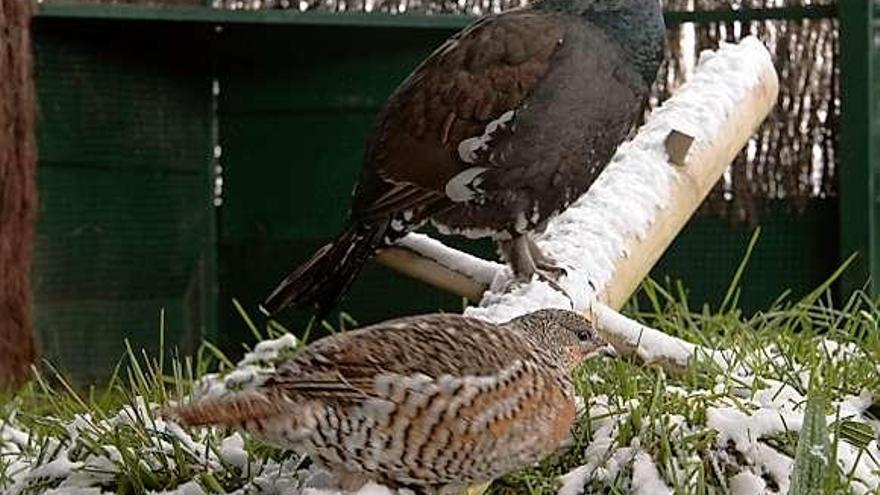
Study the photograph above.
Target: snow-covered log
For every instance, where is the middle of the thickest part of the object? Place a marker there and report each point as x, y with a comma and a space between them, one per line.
612, 236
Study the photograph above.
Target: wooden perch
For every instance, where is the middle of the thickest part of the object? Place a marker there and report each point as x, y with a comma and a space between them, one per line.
705, 163
422, 258
611, 237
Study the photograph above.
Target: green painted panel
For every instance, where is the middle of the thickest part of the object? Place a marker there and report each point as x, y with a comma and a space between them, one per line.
126, 225
119, 96
264, 17
289, 176
316, 69
294, 114
249, 270
295, 108
123, 234
86, 338
796, 252
857, 205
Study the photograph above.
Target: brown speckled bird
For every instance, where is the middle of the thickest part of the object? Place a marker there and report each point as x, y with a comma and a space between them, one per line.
424, 401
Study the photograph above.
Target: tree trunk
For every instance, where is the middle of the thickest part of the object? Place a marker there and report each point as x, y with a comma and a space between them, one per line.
17, 191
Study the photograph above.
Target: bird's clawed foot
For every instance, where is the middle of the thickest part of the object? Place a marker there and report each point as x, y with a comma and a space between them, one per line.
527, 260
550, 279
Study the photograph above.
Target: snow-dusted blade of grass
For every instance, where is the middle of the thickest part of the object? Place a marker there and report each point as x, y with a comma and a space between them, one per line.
812, 456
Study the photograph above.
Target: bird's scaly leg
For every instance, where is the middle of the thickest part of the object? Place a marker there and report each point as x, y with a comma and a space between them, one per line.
544, 263
520, 251
516, 252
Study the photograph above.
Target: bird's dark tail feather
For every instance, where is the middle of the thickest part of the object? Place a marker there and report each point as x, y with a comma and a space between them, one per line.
328, 274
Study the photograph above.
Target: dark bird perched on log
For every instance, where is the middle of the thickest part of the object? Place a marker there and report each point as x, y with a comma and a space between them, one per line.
497, 131
423, 401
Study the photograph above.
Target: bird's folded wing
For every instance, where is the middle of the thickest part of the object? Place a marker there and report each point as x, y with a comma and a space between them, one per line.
451, 106
346, 366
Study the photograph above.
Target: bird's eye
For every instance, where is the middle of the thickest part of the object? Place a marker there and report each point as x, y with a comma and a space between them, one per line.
584, 335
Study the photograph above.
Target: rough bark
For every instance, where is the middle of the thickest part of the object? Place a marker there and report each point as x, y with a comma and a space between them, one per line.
17, 191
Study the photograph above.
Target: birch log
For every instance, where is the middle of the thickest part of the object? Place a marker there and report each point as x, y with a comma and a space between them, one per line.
611, 237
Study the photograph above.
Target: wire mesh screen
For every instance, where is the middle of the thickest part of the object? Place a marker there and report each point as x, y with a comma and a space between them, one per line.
124, 228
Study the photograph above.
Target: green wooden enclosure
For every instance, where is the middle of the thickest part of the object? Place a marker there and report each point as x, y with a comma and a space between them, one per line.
145, 111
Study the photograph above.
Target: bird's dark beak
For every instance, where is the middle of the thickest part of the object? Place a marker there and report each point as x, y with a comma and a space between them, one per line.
596, 349
607, 350
603, 350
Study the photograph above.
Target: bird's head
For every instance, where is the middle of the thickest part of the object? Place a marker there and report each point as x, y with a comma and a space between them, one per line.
637, 26
565, 334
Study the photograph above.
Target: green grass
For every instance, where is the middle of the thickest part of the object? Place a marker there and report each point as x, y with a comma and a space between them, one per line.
779, 365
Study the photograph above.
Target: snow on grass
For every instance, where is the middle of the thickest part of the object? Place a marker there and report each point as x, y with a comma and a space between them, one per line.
741, 428
734, 426
727, 424
646, 478
251, 370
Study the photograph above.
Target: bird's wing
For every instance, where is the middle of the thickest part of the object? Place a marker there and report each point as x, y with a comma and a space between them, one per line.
345, 367
460, 98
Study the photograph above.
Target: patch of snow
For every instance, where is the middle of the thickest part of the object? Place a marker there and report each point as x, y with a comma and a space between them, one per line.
232, 452
480, 270
650, 345
747, 483
837, 351
604, 458
646, 479
250, 371
743, 432
778, 395
856, 405
744, 429
73, 491
188, 488
268, 350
